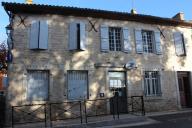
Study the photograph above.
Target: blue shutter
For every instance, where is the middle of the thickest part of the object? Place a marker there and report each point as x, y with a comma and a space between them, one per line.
158, 46
34, 36
43, 35
37, 87
138, 41
179, 44
104, 32
72, 44
126, 41
77, 85
82, 36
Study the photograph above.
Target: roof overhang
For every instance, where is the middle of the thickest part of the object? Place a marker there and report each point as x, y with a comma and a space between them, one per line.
95, 13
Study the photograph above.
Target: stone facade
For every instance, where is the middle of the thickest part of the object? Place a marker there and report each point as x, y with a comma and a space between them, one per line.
58, 60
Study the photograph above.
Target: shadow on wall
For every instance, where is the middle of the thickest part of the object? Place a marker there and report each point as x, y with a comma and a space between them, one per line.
59, 59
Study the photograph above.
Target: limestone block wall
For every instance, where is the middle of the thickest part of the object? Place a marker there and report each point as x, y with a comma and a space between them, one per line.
58, 60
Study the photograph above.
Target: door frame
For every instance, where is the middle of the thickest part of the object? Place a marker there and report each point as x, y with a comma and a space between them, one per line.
189, 75
125, 77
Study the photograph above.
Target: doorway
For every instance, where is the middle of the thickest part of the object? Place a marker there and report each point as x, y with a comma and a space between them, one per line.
184, 88
117, 86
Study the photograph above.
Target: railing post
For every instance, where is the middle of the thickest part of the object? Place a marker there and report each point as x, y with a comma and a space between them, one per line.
80, 112
117, 100
12, 120
45, 115
143, 106
113, 104
50, 114
85, 111
132, 104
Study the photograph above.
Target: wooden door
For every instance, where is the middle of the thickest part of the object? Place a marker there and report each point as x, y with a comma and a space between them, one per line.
184, 89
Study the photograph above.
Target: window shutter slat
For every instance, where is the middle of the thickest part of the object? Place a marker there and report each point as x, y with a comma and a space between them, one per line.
126, 41
158, 46
34, 36
72, 36
179, 46
138, 41
104, 31
43, 37
82, 36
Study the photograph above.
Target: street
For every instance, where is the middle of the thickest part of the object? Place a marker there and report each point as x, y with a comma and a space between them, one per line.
182, 120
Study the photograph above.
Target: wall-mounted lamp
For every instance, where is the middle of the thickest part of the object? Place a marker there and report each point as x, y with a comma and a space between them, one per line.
8, 29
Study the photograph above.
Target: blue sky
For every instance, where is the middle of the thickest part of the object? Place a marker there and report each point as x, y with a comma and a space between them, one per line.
162, 8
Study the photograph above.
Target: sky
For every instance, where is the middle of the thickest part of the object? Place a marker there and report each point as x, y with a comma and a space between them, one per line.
162, 8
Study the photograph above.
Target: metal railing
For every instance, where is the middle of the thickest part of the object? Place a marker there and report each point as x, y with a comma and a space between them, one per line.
76, 110
33, 113
65, 111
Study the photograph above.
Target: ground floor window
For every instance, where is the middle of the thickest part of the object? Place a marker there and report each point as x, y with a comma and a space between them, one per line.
77, 84
152, 84
38, 83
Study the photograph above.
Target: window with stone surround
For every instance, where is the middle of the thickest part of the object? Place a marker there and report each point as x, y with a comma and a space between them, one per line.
38, 84
115, 39
152, 84
148, 41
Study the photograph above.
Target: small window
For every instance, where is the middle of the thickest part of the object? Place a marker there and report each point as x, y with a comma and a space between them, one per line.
37, 87
148, 41
152, 85
115, 39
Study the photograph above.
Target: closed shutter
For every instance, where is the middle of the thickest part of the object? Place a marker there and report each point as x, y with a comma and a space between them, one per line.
82, 36
72, 36
158, 46
138, 41
34, 36
104, 31
126, 41
179, 44
43, 35
77, 85
37, 88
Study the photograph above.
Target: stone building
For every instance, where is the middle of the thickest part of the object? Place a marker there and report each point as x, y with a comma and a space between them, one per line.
66, 53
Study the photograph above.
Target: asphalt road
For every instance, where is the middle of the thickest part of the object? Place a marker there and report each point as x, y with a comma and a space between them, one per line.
182, 120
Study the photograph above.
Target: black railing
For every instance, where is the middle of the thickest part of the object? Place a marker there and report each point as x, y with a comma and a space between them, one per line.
77, 110
32, 113
97, 107
65, 110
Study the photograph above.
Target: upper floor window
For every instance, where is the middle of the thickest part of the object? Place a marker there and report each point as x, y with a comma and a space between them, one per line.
77, 36
152, 84
115, 39
115, 42
179, 44
39, 35
148, 41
